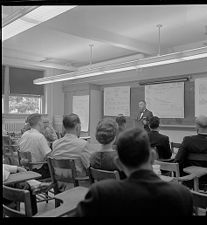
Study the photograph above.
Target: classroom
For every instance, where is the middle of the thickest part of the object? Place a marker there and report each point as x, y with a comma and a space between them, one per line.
71, 73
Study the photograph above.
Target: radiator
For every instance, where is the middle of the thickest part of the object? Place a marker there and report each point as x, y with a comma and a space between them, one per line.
14, 126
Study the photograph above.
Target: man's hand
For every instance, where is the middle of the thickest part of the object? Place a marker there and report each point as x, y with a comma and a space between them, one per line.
21, 169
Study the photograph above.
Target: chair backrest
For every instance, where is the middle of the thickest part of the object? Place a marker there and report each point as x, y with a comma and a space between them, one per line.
25, 158
168, 166
63, 170
174, 145
17, 195
199, 200
97, 174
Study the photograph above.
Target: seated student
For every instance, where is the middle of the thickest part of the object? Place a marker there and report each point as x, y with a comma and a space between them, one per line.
106, 131
142, 193
71, 145
7, 170
196, 144
121, 121
160, 141
33, 141
48, 131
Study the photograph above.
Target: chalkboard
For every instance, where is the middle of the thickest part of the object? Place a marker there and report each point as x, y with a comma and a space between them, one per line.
117, 101
138, 93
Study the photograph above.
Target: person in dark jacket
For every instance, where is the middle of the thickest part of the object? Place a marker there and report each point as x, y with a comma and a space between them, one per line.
194, 146
121, 121
160, 141
142, 193
144, 115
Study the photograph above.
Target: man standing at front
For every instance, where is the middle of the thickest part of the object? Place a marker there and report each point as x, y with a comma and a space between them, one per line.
144, 115
71, 146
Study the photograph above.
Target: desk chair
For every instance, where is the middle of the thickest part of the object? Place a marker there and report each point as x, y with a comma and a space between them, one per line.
18, 196
9, 150
63, 170
25, 160
198, 161
175, 172
199, 201
97, 174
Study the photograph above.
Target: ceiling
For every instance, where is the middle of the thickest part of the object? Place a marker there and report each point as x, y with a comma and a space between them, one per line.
115, 32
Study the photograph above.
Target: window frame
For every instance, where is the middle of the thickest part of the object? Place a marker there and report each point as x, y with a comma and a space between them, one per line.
41, 97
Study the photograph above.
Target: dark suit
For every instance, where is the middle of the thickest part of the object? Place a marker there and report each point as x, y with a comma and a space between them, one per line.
142, 194
145, 116
161, 142
192, 144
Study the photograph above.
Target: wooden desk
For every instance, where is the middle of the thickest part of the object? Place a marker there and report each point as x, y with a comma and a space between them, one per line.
21, 177
198, 172
70, 199
166, 178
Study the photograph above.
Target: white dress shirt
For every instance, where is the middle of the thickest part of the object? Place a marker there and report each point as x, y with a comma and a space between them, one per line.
70, 146
33, 141
7, 169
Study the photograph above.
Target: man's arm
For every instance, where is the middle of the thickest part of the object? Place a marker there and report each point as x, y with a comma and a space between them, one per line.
45, 149
168, 152
85, 156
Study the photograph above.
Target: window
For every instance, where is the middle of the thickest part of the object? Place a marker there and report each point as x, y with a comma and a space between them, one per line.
2, 104
25, 104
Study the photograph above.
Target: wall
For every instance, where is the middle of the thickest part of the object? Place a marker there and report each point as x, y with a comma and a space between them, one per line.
54, 97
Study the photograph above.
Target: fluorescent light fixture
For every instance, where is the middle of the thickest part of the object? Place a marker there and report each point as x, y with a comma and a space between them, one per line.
151, 82
31, 19
85, 72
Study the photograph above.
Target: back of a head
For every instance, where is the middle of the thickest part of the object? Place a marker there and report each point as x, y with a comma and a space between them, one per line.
70, 121
133, 147
154, 122
121, 120
33, 119
106, 131
201, 121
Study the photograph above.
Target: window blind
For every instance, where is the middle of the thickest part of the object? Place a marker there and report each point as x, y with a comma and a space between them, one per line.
21, 81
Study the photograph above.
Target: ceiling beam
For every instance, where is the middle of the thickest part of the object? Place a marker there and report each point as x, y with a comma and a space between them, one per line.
107, 37
24, 62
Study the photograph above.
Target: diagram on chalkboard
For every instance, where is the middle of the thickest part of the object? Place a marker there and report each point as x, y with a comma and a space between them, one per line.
166, 100
201, 96
117, 101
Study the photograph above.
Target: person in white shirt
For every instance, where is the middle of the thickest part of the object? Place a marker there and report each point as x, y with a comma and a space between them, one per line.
33, 141
8, 169
71, 145
12, 169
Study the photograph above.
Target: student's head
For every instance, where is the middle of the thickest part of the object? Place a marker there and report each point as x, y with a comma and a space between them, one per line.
201, 124
72, 124
121, 121
134, 150
106, 131
35, 121
154, 122
142, 105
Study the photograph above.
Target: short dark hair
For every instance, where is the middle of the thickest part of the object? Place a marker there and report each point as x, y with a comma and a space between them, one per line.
70, 121
106, 131
33, 119
133, 147
121, 120
154, 122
